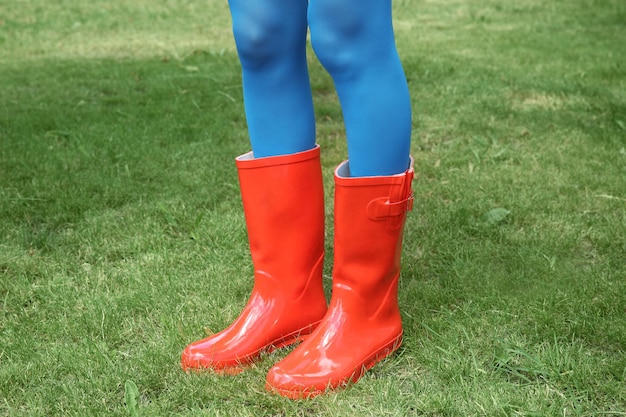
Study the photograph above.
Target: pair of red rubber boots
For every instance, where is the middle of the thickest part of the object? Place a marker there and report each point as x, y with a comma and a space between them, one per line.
283, 201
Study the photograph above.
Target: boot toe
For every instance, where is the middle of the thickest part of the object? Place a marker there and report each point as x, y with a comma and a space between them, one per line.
203, 355
192, 358
283, 383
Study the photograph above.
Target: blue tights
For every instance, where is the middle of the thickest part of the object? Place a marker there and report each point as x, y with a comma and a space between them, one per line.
354, 41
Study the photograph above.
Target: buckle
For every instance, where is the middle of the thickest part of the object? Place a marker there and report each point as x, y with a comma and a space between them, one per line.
381, 208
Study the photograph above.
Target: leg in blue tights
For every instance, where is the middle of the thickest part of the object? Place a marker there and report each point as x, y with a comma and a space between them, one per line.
271, 42
354, 41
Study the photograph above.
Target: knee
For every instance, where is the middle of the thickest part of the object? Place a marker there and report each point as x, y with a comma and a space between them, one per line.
264, 38
347, 35
333, 41
255, 42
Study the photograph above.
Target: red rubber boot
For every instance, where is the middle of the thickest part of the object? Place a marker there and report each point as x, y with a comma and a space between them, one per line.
283, 202
363, 324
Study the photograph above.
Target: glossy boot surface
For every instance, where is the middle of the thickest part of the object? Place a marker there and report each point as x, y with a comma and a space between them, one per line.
363, 324
284, 210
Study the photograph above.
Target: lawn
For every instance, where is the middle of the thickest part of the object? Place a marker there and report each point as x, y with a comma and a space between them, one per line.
122, 237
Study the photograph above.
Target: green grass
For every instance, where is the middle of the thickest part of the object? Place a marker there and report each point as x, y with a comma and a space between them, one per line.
122, 237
